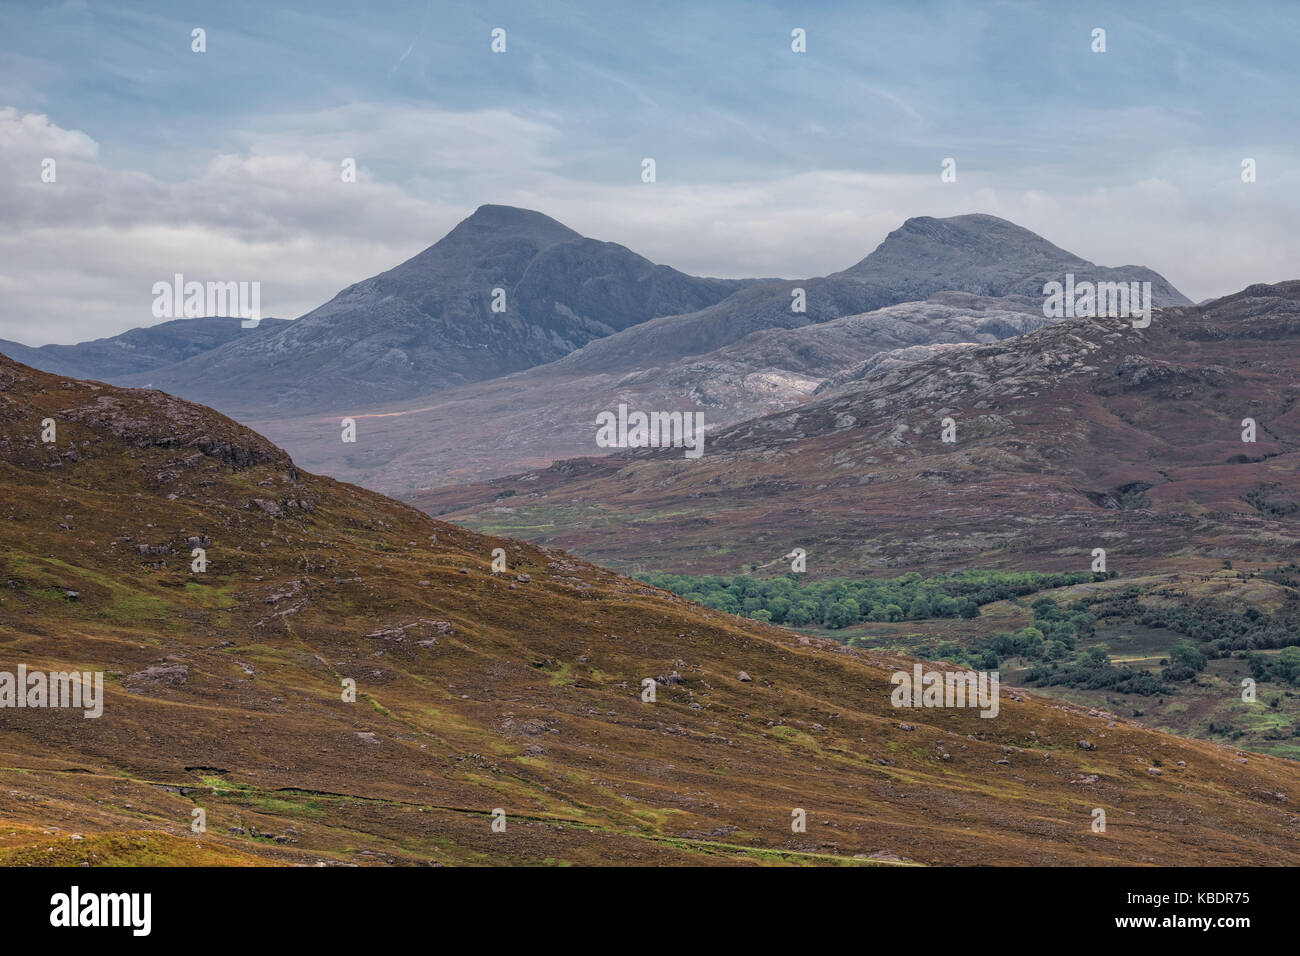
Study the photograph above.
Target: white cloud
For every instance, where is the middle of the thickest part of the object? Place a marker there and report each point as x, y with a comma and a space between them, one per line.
28, 135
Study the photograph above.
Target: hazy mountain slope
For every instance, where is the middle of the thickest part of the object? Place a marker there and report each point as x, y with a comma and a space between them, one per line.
1084, 434
518, 691
840, 345
428, 323
974, 253
535, 417
137, 350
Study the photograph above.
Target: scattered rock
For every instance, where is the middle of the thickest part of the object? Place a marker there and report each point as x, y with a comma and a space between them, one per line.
172, 674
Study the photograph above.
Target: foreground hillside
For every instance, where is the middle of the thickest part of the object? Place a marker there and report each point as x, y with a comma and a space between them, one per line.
477, 691
1082, 435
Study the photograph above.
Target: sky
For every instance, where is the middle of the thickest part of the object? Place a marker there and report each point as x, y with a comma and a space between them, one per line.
225, 165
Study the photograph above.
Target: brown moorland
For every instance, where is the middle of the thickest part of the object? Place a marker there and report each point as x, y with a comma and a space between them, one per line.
477, 690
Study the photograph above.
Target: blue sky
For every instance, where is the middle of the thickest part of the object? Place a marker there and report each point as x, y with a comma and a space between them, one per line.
224, 164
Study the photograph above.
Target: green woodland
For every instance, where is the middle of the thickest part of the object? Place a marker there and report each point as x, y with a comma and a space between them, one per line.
842, 602
1059, 647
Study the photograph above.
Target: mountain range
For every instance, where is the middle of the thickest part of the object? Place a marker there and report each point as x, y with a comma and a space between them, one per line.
972, 278
447, 391
978, 254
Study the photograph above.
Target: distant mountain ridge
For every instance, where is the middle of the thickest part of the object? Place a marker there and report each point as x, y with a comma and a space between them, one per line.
932, 283
452, 391
138, 350
428, 323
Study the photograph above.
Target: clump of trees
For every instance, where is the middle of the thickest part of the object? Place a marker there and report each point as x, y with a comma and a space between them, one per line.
1280, 668
1093, 670
1051, 642
1218, 630
1185, 662
1262, 500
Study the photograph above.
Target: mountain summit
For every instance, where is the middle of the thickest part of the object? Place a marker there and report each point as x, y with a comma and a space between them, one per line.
985, 255
937, 249
505, 290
